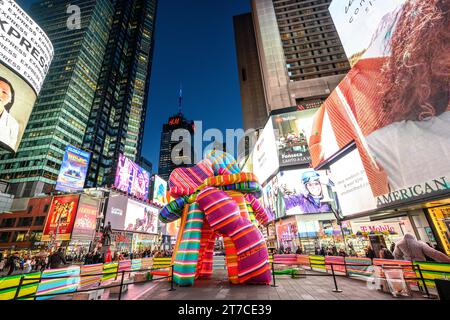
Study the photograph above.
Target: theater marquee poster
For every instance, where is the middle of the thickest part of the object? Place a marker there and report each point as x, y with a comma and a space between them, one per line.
61, 218
25, 56
393, 104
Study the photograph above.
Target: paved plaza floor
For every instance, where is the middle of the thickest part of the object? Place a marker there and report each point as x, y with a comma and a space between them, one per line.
309, 288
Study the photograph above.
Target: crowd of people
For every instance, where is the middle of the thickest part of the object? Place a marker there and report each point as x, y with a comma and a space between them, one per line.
16, 263
407, 248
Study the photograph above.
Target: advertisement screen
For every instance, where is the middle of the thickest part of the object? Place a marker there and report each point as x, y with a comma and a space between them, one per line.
351, 183
291, 136
394, 103
354, 21
304, 191
73, 170
160, 190
141, 217
273, 198
61, 218
86, 219
131, 178
265, 160
25, 56
116, 211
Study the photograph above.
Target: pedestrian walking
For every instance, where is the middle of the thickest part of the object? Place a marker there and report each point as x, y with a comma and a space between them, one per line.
409, 248
384, 253
57, 260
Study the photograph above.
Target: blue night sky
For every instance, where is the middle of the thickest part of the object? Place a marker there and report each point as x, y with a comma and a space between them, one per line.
194, 46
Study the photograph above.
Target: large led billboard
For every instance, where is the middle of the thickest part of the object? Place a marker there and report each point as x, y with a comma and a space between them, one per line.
116, 210
394, 103
160, 190
73, 171
61, 218
25, 56
129, 215
291, 136
264, 157
141, 217
86, 218
131, 178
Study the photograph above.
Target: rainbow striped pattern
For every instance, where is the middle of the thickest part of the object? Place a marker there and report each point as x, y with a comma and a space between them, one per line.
109, 271
136, 264
90, 275
59, 285
224, 217
338, 264
206, 253
184, 181
173, 210
317, 263
29, 286
186, 256
358, 270
247, 257
222, 163
433, 270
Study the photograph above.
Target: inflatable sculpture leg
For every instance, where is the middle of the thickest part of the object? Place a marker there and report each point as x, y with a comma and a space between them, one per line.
187, 254
232, 260
205, 263
224, 217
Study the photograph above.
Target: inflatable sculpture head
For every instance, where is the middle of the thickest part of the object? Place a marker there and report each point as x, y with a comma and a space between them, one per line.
212, 199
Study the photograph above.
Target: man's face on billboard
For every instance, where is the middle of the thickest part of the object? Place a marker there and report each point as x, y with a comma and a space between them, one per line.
5, 95
314, 188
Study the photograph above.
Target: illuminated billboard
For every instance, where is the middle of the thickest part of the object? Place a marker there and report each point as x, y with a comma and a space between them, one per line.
116, 210
61, 218
160, 190
25, 56
393, 104
141, 217
131, 178
264, 155
86, 218
73, 171
305, 191
291, 136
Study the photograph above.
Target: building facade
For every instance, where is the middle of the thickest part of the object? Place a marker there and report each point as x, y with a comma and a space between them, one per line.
250, 78
174, 154
61, 113
116, 120
22, 227
301, 58
94, 96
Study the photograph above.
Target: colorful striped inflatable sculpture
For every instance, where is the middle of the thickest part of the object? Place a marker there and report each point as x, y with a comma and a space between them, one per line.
213, 199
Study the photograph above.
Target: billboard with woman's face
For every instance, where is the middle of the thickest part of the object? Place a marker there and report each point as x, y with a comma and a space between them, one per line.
394, 103
25, 56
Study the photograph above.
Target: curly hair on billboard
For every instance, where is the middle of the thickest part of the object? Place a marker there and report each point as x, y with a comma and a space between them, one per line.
415, 78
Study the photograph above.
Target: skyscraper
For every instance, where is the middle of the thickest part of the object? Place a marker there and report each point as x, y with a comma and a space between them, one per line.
95, 94
61, 112
301, 59
250, 77
116, 121
171, 147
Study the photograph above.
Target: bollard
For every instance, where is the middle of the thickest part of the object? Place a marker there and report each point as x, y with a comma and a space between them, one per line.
273, 277
171, 280
121, 285
336, 289
18, 288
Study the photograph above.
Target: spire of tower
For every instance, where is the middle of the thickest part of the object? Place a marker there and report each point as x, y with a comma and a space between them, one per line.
180, 109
